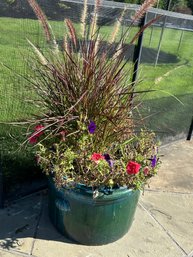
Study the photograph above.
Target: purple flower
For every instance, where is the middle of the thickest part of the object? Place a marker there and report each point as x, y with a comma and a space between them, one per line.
108, 159
91, 127
107, 156
153, 161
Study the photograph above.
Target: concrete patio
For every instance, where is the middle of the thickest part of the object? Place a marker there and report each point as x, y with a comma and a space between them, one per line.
163, 224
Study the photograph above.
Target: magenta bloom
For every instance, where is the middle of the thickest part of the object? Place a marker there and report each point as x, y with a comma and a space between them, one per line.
91, 127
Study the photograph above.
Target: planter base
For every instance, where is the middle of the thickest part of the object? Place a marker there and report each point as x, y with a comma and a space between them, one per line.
92, 221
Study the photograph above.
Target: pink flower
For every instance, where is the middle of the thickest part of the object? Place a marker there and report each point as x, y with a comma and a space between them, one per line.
63, 134
146, 171
37, 159
133, 168
96, 157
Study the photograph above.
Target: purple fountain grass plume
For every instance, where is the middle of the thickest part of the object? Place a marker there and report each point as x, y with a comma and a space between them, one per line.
95, 18
42, 18
143, 9
117, 27
72, 31
84, 17
40, 56
66, 45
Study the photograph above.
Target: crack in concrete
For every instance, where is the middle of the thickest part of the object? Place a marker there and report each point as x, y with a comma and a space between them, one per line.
169, 192
164, 229
190, 254
37, 226
164, 213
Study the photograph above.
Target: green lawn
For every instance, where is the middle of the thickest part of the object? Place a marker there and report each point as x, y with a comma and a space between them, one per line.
168, 78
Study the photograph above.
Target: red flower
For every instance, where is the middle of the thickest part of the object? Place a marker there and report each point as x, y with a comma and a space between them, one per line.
133, 168
34, 137
96, 157
37, 128
32, 140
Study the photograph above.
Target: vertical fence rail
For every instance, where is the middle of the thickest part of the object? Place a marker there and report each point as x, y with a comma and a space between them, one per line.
162, 32
137, 55
190, 130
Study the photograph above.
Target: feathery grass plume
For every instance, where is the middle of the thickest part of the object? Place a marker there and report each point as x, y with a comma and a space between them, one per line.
54, 42
143, 9
41, 57
118, 50
97, 42
83, 18
72, 32
66, 45
117, 27
95, 19
42, 18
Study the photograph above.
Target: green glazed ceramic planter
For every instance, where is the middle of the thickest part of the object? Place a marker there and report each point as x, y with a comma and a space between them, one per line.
90, 221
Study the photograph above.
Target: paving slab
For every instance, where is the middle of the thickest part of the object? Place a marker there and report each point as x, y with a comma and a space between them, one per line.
146, 238
190, 254
13, 253
18, 224
176, 171
7, 254
175, 213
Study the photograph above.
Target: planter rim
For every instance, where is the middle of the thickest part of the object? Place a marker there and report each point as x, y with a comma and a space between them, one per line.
85, 192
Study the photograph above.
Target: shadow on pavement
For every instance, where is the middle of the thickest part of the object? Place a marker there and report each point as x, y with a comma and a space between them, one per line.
24, 220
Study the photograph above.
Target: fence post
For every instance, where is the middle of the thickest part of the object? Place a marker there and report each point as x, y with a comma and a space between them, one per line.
137, 55
181, 38
190, 130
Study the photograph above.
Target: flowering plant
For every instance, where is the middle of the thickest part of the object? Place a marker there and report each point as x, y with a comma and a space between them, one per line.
88, 132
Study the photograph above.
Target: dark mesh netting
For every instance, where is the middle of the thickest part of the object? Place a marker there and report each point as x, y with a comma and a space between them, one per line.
166, 66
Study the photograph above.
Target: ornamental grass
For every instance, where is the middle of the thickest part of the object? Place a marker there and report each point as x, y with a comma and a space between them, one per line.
87, 130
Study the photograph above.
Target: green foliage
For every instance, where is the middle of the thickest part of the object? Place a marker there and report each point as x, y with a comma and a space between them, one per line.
76, 165
63, 6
